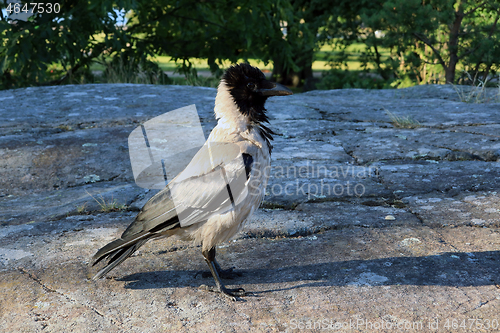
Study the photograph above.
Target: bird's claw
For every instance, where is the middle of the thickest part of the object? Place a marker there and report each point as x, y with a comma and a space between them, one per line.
232, 294
238, 292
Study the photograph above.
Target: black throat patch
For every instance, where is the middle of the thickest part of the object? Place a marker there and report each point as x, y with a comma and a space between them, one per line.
242, 80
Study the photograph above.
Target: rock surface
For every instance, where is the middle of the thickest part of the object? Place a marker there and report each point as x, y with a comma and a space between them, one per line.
365, 226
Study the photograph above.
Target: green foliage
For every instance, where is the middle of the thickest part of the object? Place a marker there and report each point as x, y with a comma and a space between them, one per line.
302, 20
68, 39
215, 30
429, 38
342, 79
426, 40
481, 40
124, 68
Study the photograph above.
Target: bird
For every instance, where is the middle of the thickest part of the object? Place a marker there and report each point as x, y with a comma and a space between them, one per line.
224, 183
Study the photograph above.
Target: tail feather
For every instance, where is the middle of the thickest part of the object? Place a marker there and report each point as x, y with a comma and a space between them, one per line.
117, 251
118, 257
120, 249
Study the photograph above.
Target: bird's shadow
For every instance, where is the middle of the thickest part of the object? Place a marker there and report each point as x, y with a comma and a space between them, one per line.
446, 269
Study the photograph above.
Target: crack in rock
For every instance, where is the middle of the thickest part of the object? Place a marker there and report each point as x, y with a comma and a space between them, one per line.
52, 290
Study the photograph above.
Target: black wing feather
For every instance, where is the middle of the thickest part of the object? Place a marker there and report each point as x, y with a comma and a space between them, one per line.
201, 198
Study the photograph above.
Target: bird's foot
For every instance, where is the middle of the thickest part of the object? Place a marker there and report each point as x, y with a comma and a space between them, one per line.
227, 274
232, 294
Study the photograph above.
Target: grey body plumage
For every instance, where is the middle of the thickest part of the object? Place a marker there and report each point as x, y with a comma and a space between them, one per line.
225, 182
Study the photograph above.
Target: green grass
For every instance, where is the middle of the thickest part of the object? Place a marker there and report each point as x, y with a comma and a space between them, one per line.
320, 64
403, 122
199, 81
353, 59
476, 92
167, 64
105, 206
82, 209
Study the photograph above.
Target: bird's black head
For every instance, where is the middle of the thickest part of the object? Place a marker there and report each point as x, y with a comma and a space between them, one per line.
250, 89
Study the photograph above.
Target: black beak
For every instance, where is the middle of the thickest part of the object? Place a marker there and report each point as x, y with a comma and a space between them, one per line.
274, 89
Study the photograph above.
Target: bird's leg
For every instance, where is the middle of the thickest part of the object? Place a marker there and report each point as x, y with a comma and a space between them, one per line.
223, 273
228, 274
231, 293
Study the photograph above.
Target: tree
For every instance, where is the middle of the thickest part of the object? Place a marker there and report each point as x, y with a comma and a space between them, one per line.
300, 24
86, 31
69, 38
309, 25
215, 30
424, 33
425, 37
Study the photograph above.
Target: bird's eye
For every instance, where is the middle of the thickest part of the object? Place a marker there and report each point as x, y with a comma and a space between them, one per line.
251, 85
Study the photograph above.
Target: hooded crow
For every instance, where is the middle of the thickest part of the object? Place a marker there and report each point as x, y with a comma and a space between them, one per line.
209, 201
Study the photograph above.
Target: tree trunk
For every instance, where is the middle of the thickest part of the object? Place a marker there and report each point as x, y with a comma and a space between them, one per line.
303, 78
453, 45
